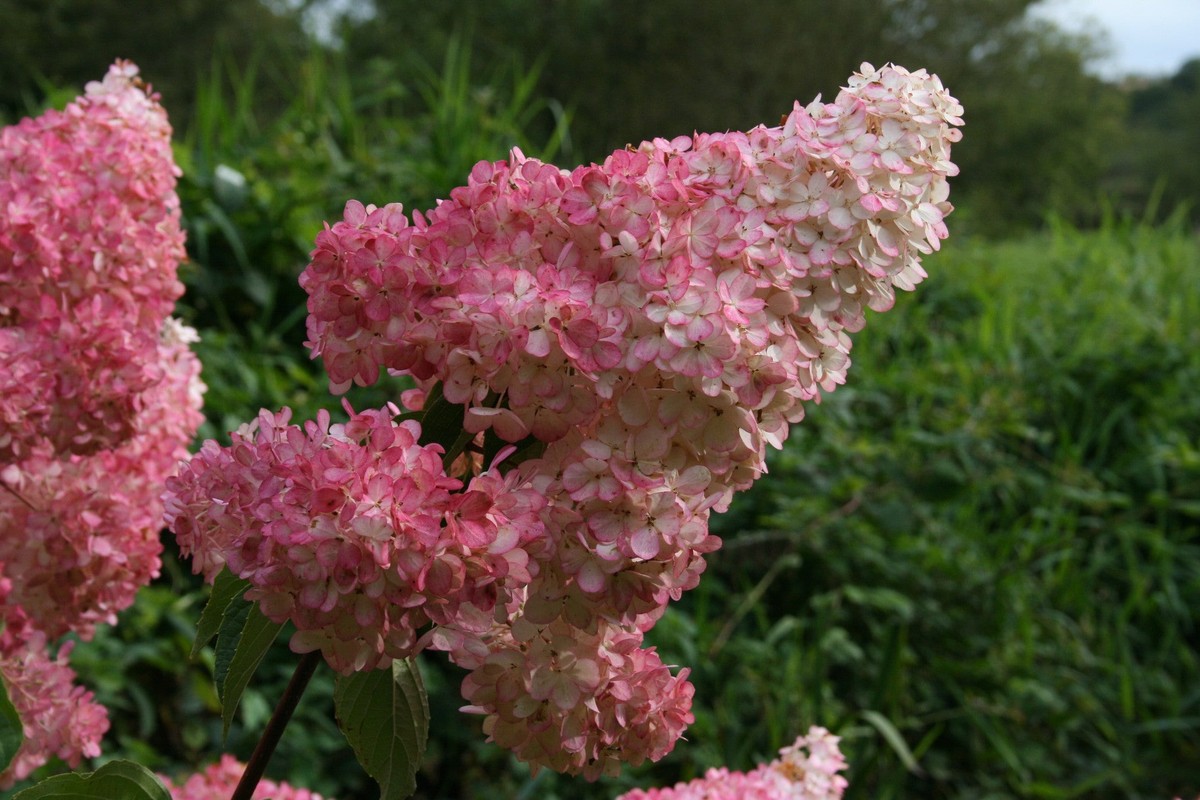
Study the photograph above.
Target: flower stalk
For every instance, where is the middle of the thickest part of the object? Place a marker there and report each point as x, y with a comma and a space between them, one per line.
257, 765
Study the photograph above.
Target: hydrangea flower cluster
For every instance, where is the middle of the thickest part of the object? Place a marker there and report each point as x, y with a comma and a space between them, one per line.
89, 245
572, 701
805, 770
79, 535
354, 532
219, 780
630, 337
99, 391
58, 717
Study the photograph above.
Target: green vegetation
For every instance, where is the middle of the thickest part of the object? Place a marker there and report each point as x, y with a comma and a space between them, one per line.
1160, 139
989, 536
979, 561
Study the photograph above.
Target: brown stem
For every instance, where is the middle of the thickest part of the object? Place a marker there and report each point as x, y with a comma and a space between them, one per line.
18, 495
257, 764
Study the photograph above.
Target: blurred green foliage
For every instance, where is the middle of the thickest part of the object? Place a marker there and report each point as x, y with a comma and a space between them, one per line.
66, 43
979, 561
1040, 128
1160, 141
993, 534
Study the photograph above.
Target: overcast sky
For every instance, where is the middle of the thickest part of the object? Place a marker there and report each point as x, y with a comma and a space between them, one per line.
1148, 37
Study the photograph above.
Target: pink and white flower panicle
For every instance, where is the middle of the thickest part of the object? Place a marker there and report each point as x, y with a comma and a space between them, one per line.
641, 331
89, 245
99, 391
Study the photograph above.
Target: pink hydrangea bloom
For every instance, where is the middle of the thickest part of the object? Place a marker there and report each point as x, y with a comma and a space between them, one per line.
58, 718
89, 244
806, 770
641, 331
576, 703
219, 780
354, 532
99, 391
657, 320
79, 535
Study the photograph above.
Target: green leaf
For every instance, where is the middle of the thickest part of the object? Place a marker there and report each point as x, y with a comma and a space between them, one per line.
224, 224
116, 780
11, 730
527, 448
385, 716
229, 636
226, 589
244, 638
893, 737
442, 421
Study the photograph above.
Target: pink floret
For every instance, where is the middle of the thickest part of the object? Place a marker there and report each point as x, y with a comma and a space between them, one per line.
218, 781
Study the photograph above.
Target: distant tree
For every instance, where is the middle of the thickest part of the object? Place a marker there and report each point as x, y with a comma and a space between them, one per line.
65, 43
1159, 155
1041, 130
